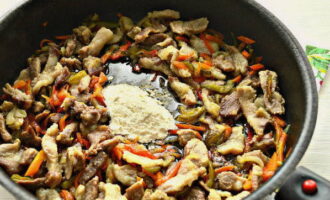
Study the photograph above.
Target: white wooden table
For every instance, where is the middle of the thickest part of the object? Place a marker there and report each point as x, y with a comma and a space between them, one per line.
310, 23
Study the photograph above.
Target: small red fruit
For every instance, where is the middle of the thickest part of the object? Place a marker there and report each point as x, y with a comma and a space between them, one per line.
309, 186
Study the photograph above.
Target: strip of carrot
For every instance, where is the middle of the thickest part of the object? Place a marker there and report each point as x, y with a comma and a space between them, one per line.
62, 123
246, 54
181, 38
66, 195
207, 43
279, 121
228, 131
237, 79
83, 141
77, 179
62, 37
170, 174
36, 163
184, 57
199, 79
205, 56
270, 168
257, 67
224, 169
193, 127
204, 65
280, 147
179, 65
246, 39
213, 38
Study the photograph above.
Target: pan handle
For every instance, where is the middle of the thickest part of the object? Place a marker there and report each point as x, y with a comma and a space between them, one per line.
303, 184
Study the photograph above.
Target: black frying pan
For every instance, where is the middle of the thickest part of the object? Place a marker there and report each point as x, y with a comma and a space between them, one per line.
21, 31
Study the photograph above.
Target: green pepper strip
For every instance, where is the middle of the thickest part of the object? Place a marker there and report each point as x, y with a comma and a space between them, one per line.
191, 114
211, 175
219, 88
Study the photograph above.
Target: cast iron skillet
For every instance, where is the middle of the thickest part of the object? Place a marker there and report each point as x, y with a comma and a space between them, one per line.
21, 31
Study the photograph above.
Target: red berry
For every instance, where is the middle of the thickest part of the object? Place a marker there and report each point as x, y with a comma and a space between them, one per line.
309, 186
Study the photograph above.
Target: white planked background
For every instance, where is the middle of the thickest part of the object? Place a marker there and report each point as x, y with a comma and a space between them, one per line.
310, 23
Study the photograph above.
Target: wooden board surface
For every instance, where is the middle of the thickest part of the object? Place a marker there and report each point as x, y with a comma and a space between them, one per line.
309, 22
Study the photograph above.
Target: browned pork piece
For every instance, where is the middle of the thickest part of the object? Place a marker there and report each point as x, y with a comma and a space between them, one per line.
92, 167
167, 53
195, 193
50, 72
255, 157
13, 158
111, 191
192, 166
183, 90
92, 65
83, 33
146, 32
125, 174
230, 105
34, 67
274, 101
48, 194
264, 143
48, 143
187, 174
5, 135
92, 189
18, 95
185, 135
210, 106
154, 39
65, 137
224, 61
47, 77
96, 139
156, 195
84, 84
29, 136
164, 14
256, 176
71, 63
62, 77
235, 143
240, 62
70, 47
102, 37
75, 160
88, 114
33, 183
197, 152
154, 63
258, 118
135, 191
229, 181
189, 27
187, 50
125, 23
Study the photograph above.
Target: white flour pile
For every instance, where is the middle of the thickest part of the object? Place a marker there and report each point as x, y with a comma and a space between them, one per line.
135, 114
